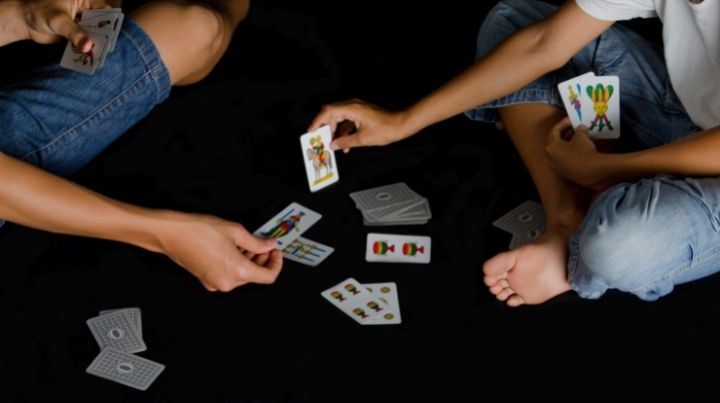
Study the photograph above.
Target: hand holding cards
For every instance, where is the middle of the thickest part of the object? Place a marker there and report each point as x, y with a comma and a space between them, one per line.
103, 25
593, 101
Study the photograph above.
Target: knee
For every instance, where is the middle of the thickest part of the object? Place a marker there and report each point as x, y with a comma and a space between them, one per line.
623, 245
206, 29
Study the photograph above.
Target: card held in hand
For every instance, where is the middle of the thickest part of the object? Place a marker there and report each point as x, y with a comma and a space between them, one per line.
288, 224
320, 165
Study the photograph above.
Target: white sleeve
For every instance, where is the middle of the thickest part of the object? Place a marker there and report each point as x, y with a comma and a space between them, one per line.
617, 10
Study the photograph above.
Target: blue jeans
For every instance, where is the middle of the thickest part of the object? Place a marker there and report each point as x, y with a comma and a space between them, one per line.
60, 119
643, 237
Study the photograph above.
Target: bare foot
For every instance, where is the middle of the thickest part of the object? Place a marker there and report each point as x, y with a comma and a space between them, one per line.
530, 274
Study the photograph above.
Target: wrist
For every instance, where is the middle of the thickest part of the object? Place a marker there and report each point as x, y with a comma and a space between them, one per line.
12, 22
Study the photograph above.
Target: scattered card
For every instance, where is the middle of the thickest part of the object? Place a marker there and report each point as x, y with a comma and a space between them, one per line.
387, 292
288, 224
133, 314
115, 330
307, 252
125, 368
525, 222
397, 248
320, 163
356, 301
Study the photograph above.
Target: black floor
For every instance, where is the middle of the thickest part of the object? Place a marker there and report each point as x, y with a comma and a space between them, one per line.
228, 146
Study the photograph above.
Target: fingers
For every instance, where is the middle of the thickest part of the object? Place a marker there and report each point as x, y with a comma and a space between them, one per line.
346, 142
102, 4
267, 273
60, 23
556, 133
251, 243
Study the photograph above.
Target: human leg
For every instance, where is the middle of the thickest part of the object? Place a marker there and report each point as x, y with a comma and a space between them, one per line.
646, 237
191, 36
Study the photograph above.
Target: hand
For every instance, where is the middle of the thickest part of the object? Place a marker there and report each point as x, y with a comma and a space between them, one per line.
574, 156
374, 125
47, 21
223, 255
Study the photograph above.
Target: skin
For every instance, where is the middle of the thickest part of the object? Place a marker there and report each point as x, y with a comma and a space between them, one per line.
566, 169
191, 38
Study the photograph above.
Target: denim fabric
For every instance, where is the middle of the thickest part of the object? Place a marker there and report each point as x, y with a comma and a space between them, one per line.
643, 237
60, 119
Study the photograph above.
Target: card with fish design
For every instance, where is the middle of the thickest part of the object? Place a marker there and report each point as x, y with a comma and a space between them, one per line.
320, 163
397, 248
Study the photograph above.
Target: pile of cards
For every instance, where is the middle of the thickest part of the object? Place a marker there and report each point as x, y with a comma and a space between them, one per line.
103, 25
593, 101
367, 304
119, 333
287, 226
525, 222
394, 204
320, 165
397, 248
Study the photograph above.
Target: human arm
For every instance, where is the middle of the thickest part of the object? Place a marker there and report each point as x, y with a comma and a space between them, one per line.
208, 247
578, 160
517, 61
45, 21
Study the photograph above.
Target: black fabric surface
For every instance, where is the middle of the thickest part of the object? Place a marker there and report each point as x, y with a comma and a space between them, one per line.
228, 146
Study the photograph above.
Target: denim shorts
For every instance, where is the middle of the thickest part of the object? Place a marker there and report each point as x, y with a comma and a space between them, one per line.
643, 237
59, 119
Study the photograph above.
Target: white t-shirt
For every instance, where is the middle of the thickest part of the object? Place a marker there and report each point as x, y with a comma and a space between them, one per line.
691, 33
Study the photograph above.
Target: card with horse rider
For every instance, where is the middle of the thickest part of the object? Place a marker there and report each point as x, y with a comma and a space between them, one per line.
593, 101
319, 159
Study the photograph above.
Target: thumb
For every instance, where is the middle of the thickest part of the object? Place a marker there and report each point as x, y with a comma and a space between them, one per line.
62, 24
252, 243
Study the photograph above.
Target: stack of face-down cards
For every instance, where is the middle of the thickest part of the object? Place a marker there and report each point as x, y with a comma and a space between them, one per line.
119, 334
525, 222
593, 101
367, 304
103, 25
394, 248
287, 226
394, 204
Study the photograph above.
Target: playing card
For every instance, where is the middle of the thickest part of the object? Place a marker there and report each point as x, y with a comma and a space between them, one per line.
307, 252
133, 314
356, 301
387, 292
115, 330
288, 224
601, 113
523, 218
109, 24
397, 248
526, 237
125, 368
383, 201
573, 97
319, 159
87, 63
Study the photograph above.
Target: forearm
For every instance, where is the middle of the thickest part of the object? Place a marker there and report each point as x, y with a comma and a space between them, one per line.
697, 155
11, 22
35, 198
522, 58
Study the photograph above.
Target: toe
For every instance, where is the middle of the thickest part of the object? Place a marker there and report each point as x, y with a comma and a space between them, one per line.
504, 294
499, 265
515, 300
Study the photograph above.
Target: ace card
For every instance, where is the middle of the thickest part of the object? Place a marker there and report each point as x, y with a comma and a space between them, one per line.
319, 159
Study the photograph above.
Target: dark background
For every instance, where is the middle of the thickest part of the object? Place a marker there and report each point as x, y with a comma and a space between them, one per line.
228, 146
